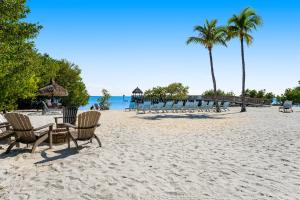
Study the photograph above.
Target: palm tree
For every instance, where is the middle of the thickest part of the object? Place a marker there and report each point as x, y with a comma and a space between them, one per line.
209, 35
241, 26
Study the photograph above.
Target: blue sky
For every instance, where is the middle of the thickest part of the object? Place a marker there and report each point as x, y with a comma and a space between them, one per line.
121, 44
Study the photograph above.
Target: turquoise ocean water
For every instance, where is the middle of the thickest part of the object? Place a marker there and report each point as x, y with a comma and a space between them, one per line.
116, 102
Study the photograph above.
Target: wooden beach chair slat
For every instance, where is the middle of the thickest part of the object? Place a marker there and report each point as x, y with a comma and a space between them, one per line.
85, 129
25, 133
69, 116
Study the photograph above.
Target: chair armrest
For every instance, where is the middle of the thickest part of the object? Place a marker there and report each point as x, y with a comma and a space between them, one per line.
68, 125
56, 119
4, 125
45, 126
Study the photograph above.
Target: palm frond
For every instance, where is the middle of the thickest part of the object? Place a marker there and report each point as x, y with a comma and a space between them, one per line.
195, 40
242, 25
209, 34
248, 38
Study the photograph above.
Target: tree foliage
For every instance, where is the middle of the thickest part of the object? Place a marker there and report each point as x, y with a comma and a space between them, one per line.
292, 94
16, 48
174, 91
210, 93
240, 26
259, 94
156, 93
68, 76
103, 100
209, 35
22, 69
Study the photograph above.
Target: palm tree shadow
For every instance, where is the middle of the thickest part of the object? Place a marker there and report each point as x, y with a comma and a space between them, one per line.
179, 116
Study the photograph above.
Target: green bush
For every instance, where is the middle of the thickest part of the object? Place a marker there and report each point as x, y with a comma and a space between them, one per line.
210, 93
22, 69
292, 94
103, 100
174, 91
17, 79
259, 94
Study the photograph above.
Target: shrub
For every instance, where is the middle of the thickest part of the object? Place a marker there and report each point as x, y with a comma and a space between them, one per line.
103, 100
210, 93
174, 91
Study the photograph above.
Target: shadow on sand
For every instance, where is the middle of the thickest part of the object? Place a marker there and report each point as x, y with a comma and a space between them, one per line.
160, 116
14, 152
178, 116
63, 153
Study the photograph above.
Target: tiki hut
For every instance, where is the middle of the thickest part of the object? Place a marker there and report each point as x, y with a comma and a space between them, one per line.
53, 90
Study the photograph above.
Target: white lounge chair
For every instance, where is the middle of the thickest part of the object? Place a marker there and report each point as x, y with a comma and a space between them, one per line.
287, 105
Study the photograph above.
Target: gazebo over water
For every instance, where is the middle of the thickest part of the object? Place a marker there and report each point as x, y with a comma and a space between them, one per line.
137, 95
137, 92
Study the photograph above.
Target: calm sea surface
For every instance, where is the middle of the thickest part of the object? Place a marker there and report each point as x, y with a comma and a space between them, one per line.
116, 102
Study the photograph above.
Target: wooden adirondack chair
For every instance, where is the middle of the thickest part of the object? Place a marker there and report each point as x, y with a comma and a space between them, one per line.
5, 131
25, 133
69, 116
87, 123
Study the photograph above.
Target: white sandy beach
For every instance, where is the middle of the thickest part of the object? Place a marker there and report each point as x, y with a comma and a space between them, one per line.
231, 155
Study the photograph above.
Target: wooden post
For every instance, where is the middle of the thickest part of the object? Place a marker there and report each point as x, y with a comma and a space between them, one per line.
50, 136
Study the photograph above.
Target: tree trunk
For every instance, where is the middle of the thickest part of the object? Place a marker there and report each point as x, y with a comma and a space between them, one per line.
243, 107
214, 80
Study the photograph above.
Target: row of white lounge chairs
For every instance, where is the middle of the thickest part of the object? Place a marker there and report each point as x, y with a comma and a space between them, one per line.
171, 106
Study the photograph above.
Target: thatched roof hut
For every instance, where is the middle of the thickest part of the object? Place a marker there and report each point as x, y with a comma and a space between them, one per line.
53, 90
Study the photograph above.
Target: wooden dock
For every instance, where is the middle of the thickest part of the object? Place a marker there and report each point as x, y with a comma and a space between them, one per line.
238, 100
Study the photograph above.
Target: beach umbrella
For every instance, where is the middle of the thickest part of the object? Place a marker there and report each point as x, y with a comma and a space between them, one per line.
53, 90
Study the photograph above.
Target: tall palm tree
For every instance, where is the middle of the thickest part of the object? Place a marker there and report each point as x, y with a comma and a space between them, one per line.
209, 35
241, 26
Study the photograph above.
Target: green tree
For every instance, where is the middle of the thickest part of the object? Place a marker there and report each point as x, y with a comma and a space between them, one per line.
174, 91
103, 100
211, 93
250, 93
22, 69
259, 94
240, 26
209, 35
156, 93
269, 96
17, 79
292, 94
69, 77
46, 68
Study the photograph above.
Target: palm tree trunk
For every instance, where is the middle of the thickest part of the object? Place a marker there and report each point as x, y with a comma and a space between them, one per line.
243, 107
214, 80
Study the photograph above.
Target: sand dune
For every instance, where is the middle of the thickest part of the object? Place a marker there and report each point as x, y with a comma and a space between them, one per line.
232, 155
